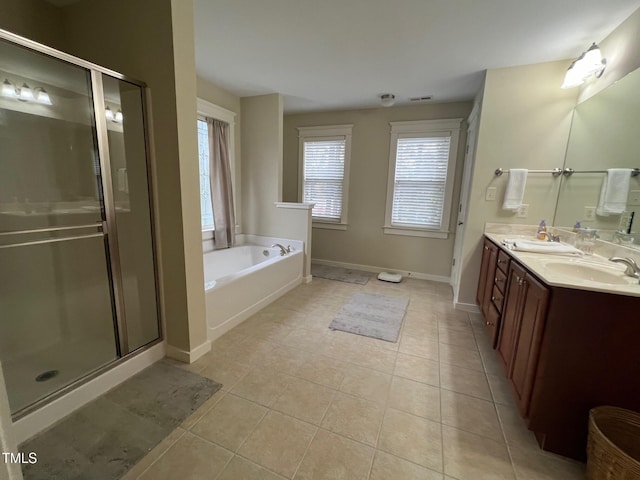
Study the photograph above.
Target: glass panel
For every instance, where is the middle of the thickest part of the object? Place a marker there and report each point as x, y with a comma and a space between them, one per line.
127, 149
56, 315
56, 301
49, 168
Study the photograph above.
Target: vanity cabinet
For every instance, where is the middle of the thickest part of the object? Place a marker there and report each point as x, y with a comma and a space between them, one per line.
565, 350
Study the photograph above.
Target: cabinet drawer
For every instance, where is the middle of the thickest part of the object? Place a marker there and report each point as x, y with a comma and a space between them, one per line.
503, 262
497, 297
492, 324
501, 280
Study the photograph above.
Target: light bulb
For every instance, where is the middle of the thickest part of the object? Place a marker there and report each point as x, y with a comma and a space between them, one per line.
593, 59
26, 94
108, 113
574, 77
8, 89
119, 117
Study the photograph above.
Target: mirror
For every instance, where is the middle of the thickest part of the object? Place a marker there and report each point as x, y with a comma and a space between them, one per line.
604, 134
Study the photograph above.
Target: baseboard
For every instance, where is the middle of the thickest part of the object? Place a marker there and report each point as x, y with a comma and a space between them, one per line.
371, 268
191, 356
466, 307
240, 317
307, 279
35, 422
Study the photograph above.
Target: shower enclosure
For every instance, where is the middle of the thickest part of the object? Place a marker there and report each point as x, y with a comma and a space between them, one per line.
77, 268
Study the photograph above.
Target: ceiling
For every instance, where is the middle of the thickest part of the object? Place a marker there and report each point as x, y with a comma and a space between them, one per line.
337, 54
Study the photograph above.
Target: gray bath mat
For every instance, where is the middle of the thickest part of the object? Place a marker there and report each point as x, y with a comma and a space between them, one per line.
108, 436
370, 315
340, 274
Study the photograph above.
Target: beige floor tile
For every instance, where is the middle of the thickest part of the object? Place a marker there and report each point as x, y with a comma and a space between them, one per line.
471, 457
324, 370
304, 400
242, 469
501, 390
284, 359
192, 419
190, 458
389, 467
515, 430
412, 438
366, 383
491, 363
532, 464
471, 414
332, 457
463, 380
461, 357
278, 443
271, 331
418, 369
373, 358
226, 372
305, 339
421, 347
230, 422
415, 398
354, 417
456, 337
153, 455
262, 386
251, 350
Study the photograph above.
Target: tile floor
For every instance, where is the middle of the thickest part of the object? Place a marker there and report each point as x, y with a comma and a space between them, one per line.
300, 401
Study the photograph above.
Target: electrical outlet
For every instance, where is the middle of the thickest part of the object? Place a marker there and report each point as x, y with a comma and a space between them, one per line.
492, 193
634, 197
589, 213
523, 211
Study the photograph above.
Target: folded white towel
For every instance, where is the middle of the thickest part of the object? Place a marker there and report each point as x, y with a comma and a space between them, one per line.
545, 247
614, 192
514, 192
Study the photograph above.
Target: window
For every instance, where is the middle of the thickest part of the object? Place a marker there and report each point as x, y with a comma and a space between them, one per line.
206, 209
421, 170
324, 154
207, 109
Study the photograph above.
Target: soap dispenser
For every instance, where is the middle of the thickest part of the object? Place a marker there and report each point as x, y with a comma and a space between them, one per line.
542, 230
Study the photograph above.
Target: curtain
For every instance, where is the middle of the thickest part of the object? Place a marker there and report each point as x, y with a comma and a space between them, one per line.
220, 179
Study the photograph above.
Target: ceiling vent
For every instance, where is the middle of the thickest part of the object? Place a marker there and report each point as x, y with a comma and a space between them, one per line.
421, 99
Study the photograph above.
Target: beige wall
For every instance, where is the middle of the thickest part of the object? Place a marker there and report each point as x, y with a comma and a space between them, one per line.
219, 96
524, 123
34, 19
621, 48
364, 243
261, 139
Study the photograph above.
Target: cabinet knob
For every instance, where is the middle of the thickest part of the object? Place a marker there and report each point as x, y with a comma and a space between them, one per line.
501, 261
486, 248
488, 323
493, 299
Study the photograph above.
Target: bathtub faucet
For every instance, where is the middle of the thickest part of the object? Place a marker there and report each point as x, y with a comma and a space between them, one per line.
283, 250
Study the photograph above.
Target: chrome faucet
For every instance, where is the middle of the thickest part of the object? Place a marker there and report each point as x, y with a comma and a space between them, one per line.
283, 250
633, 270
549, 236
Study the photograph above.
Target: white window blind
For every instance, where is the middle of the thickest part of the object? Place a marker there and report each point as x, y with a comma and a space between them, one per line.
323, 181
206, 207
420, 181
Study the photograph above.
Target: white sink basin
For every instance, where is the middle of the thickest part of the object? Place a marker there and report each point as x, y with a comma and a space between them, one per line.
593, 273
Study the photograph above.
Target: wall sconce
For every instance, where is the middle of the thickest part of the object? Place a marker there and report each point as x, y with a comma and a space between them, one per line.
25, 93
113, 117
590, 62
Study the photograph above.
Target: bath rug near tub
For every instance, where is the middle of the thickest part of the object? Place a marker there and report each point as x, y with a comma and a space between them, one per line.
108, 436
340, 274
371, 315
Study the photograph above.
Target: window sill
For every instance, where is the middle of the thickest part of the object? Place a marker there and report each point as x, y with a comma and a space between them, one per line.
207, 234
409, 232
329, 226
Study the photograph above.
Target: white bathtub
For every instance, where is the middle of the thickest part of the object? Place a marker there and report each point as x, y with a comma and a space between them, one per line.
241, 280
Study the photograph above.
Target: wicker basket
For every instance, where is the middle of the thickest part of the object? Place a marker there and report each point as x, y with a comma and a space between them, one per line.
613, 449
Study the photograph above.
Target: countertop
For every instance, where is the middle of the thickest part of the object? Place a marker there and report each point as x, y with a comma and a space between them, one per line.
540, 264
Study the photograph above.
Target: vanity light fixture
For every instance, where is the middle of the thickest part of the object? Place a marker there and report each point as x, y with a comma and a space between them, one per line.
108, 113
9, 89
42, 96
118, 117
387, 99
26, 94
590, 62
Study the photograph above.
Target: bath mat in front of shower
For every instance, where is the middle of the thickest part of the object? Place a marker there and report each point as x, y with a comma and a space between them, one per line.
108, 436
340, 274
372, 315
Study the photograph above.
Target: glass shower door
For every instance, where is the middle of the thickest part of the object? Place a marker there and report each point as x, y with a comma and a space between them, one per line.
57, 307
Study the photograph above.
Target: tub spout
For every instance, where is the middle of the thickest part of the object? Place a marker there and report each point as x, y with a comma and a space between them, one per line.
283, 250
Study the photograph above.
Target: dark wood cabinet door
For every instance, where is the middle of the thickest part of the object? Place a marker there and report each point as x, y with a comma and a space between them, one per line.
484, 272
492, 251
534, 298
510, 322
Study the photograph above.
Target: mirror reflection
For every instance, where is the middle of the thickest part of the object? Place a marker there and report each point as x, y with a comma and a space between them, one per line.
604, 136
